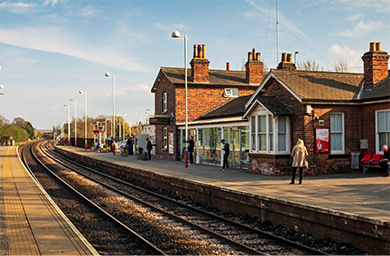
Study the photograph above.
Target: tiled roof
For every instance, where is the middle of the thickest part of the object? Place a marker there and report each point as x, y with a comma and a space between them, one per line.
235, 107
217, 77
275, 105
380, 91
321, 86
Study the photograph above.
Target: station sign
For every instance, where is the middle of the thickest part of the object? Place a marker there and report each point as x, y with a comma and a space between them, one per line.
160, 120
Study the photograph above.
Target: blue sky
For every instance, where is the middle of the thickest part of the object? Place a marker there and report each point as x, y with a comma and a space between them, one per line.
51, 49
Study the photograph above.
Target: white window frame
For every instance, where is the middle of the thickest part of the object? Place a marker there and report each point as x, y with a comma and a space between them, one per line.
378, 148
231, 93
342, 151
275, 133
165, 102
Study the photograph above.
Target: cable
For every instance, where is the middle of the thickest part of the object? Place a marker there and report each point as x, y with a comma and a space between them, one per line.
231, 34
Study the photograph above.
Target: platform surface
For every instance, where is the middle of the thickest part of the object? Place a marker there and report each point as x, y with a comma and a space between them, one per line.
366, 195
29, 222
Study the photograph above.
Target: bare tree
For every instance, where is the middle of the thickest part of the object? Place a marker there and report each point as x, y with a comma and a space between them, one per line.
341, 66
309, 65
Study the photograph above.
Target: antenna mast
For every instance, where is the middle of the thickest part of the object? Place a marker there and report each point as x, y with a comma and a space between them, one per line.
277, 32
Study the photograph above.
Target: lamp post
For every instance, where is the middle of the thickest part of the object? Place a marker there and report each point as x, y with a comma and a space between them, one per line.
85, 117
113, 104
68, 123
75, 122
176, 34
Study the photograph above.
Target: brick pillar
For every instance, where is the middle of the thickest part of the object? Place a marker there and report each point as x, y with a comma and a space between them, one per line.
254, 68
200, 65
375, 65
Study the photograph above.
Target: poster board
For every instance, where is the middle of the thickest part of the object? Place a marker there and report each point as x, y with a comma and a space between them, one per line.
322, 140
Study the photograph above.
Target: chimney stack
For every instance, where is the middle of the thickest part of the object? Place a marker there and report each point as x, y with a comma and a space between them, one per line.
200, 65
286, 63
375, 65
254, 68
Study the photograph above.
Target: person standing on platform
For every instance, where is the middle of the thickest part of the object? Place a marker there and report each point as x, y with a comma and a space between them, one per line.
225, 153
130, 146
149, 148
191, 149
385, 161
299, 154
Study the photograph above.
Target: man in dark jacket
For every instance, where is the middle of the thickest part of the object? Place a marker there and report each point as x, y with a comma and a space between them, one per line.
149, 148
385, 161
191, 149
225, 152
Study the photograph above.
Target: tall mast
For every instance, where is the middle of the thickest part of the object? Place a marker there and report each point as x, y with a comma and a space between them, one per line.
277, 32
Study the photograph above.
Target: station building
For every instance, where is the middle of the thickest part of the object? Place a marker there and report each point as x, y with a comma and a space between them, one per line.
338, 115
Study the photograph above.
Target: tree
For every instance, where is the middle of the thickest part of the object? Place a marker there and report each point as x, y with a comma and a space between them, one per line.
29, 129
309, 65
341, 66
18, 121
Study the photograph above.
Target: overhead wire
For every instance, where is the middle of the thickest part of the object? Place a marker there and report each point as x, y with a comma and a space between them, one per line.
231, 34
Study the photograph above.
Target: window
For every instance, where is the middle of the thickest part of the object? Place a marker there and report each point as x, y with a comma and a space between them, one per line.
229, 92
165, 138
253, 132
165, 102
337, 133
383, 128
269, 134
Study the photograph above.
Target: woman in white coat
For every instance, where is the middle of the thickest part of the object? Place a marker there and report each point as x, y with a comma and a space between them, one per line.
299, 154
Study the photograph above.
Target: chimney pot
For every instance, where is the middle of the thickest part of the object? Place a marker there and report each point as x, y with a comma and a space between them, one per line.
258, 56
199, 51
195, 51
289, 57
254, 54
227, 66
203, 51
250, 56
284, 55
378, 46
372, 47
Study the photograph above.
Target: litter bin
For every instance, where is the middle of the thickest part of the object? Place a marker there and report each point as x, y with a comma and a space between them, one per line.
355, 160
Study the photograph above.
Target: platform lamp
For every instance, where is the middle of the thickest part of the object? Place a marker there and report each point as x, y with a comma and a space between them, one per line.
68, 123
75, 122
113, 103
176, 34
85, 118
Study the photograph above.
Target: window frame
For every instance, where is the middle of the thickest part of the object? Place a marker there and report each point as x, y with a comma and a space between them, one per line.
164, 102
378, 147
342, 132
274, 132
164, 138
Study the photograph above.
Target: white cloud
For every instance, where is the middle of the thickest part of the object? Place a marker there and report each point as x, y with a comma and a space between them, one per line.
163, 27
380, 6
344, 53
52, 2
55, 40
86, 12
363, 28
17, 7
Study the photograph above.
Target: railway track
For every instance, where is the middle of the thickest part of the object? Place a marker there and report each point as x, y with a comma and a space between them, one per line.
242, 238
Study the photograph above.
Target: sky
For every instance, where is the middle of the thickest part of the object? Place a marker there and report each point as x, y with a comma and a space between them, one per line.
52, 49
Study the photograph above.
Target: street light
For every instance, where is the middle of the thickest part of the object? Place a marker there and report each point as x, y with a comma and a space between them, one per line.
176, 34
113, 104
75, 122
68, 123
85, 117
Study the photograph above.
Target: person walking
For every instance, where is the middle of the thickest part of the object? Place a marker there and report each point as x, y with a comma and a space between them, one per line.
149, 148
299, 154
191, 149
225, 152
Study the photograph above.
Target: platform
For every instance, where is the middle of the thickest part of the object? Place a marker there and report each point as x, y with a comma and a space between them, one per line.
366, 195
30, 222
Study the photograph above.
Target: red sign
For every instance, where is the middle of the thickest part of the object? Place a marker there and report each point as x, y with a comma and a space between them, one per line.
322, 140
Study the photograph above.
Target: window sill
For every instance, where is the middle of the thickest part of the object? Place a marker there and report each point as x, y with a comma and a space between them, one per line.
338, 156
271, 156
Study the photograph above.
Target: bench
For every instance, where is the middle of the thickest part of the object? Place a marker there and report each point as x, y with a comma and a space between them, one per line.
370, 161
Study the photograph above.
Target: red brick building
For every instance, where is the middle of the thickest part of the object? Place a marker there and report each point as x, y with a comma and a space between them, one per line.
336, 114
207, 89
